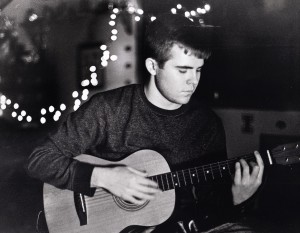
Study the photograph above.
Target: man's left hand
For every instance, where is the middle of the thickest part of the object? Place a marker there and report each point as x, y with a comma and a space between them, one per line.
246, 183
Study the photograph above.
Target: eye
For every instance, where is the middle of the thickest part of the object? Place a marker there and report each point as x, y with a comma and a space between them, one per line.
183, 71
199, 70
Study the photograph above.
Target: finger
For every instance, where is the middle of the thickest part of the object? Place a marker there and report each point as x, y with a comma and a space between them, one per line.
246, 174
146, 189
140, 195
237, 174
147, 182
260, 163
133, 200
140, 173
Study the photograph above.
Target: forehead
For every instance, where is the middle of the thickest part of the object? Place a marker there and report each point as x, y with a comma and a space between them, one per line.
182, 56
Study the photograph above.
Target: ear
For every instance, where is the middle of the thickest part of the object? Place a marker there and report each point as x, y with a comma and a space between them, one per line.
151, 65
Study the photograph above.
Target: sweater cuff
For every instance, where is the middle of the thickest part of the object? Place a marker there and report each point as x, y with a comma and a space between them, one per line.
82, 179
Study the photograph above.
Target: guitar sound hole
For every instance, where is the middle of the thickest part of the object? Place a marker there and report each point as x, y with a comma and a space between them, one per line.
127, 205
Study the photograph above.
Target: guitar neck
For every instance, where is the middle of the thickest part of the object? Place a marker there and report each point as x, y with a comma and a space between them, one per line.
202, 174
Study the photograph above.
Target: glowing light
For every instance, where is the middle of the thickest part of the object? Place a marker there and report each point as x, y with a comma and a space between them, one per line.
43, 111
43, 120
179, 6
58, 113
76, 107
114, 31
8, 101
29, 118
20, 118
103, 47
131, 9
193, 13
14, 114
85, 92
113, 57
16, 106
51, 109
104, 63
93, 68
94, 75
106, 53
63, 107
116, 10
77, 102
2, 98
153, 18
207, 7
112, 23
94, 82
33, 17
113, 16
113, 37
173, 10
140, 11
3, 106
201, 10
23, 113
75, 94
187, 14
55, 118
137, 18
84, 83
84, 97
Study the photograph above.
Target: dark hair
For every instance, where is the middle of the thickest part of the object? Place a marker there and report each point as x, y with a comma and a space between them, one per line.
169, 29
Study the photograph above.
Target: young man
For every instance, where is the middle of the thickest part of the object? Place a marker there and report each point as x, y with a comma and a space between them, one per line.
158, 115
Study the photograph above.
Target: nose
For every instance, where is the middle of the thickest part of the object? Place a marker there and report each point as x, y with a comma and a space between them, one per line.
194, 78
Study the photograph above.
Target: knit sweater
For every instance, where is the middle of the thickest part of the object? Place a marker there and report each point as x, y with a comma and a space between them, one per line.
116, 123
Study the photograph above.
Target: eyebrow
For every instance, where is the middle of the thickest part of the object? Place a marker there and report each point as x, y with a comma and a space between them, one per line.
187, 67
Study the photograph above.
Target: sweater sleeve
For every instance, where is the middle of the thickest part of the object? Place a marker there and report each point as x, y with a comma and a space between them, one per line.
53, 162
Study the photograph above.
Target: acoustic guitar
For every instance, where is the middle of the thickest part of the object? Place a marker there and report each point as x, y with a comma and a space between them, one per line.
67, 211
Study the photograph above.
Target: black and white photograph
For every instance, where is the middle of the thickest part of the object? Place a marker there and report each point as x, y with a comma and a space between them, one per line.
139, 116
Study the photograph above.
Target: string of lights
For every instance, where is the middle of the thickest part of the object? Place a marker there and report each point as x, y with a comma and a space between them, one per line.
55, 114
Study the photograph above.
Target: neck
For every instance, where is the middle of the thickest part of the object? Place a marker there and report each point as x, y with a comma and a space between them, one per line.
156, 98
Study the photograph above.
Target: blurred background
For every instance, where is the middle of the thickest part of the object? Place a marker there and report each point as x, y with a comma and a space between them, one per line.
55, 54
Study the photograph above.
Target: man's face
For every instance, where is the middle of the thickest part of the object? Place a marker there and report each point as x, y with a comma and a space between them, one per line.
179, 77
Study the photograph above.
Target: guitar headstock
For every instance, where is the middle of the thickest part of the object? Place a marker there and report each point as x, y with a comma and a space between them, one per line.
287, 154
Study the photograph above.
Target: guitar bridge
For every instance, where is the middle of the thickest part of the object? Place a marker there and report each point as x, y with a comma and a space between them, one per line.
80, 207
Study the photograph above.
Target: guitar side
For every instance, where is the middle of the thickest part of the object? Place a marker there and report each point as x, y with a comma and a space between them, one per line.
105, 212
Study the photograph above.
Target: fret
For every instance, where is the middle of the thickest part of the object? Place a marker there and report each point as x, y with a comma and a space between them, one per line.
167, 181
191, 176
228, 168
204, 173
212, 172
220, 170
172, 179
162, 182
183, 177
197, 175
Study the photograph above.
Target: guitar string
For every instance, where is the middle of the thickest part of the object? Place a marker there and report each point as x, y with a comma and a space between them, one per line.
213, 167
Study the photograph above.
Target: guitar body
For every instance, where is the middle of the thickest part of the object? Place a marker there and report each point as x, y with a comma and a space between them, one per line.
105, 212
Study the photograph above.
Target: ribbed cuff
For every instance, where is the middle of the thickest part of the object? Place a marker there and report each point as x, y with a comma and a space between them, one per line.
82, 179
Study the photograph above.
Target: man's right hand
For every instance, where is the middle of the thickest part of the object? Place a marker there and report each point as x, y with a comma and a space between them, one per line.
125, 182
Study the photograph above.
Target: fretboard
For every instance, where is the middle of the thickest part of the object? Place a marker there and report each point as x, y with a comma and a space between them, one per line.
196, 175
